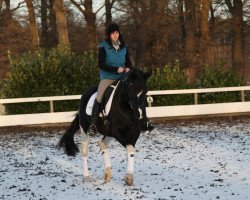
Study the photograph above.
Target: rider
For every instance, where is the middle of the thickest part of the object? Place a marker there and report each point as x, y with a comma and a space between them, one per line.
114, 62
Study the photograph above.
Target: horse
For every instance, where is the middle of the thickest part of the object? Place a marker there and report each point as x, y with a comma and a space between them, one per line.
124, 122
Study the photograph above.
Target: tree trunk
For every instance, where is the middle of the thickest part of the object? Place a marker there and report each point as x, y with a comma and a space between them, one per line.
6, 14
108, 8
90, 18
238, 34
49, 36
189, 44
182, 21
61, 22
44, 23
205, 41
212, 21
1, 5
32, 24
52, 24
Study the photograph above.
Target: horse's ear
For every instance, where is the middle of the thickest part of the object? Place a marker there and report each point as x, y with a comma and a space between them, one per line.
148, 73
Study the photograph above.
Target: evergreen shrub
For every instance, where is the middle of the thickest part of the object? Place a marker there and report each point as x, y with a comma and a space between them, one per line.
52, 72
169, 78
219, 76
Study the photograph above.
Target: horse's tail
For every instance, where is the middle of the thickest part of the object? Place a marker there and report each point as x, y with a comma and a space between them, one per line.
67, 140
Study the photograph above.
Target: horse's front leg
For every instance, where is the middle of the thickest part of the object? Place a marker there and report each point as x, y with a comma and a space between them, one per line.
84, 152
129, 177
103, 144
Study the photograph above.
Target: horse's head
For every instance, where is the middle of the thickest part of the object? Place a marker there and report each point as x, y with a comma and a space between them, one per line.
136, 82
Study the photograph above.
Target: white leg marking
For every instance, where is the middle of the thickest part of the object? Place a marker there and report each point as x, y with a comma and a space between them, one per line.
106, 157
85, 167
103, 144
84, 152
107, 140
85, 141
130, 159
129, 177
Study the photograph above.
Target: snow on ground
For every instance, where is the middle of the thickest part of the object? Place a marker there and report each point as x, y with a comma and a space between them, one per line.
189, 161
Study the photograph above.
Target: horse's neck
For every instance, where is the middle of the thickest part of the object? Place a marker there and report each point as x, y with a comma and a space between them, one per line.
121, 97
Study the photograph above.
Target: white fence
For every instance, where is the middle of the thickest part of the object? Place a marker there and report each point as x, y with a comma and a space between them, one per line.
152, 112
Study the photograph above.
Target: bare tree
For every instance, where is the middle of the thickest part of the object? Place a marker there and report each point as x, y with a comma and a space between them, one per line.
147, 30
53, 36
182, 19
108, 7
190, 41
236, 9
205, 40
44, 24
14, 37
1, 5
32, 24
49, 36
86, 9
61, 22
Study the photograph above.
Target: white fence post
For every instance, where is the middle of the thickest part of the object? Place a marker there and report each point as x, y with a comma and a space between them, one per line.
195, 98
51, 106
242, 95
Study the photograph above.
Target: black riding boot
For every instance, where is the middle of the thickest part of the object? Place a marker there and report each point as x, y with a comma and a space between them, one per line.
92, 130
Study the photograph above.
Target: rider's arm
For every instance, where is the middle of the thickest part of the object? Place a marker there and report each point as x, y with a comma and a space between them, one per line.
102, 59
128, 63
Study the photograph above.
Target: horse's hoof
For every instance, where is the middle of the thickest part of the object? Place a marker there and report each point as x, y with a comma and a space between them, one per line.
129, 179
107, 175
151, 126
88, 179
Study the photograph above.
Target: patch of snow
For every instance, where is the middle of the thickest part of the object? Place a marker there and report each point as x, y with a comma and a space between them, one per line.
195, 161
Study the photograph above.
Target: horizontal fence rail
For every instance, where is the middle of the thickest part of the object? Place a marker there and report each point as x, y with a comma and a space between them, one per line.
152, 111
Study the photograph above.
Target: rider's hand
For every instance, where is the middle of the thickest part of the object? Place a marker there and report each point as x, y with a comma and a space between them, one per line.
120, 70
126, 70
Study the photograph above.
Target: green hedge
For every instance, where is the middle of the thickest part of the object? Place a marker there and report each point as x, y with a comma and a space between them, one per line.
169, 78
219, 76
61, 72
49, 73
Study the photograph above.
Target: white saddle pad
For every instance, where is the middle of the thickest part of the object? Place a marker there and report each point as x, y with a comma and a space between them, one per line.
90, 104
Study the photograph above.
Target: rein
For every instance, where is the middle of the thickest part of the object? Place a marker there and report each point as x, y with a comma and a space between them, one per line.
134, 105
128, 91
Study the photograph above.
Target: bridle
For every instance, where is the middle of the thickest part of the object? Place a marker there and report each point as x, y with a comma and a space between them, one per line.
128, 87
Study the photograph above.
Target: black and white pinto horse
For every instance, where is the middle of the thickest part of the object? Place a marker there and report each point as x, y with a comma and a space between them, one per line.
124, 122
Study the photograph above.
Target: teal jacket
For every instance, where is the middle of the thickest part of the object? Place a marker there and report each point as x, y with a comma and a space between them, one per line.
109, 60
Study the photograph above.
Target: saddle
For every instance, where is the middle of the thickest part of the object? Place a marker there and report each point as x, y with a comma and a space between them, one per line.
106, 103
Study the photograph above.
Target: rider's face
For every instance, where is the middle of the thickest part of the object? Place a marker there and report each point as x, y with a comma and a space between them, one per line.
114, 36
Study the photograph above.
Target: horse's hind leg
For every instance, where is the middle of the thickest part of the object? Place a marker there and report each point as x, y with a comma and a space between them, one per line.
84, 152
129, 177
103, 144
